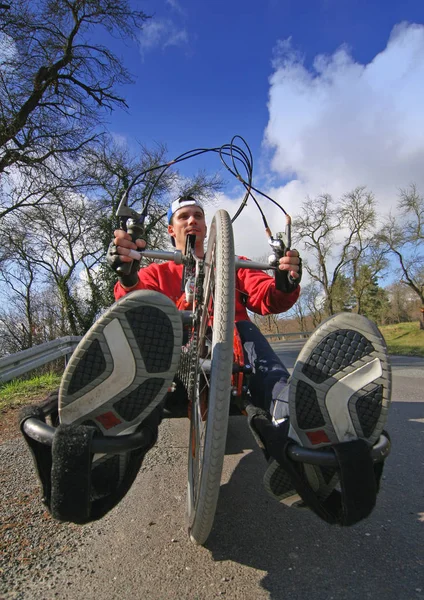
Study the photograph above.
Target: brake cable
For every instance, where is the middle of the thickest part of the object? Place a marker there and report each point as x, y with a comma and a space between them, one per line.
238, 156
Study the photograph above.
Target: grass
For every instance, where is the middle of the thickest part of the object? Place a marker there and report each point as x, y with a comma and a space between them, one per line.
404, 338
19, 392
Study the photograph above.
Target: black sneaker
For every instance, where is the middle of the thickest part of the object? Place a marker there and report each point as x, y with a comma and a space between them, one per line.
339, 391
114, 384
124, 365
118, 375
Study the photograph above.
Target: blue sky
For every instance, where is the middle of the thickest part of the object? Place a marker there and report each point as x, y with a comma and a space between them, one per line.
328, 94
204, 67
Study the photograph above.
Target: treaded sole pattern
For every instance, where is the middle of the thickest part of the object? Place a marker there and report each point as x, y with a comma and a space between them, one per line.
277, 482
339, 390
124, 365
341, 384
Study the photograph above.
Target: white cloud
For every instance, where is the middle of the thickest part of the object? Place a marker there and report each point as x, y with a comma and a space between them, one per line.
176, 6
8, 51
119, 139
337, 126
249, 232
161, 34
176, 38
342, 124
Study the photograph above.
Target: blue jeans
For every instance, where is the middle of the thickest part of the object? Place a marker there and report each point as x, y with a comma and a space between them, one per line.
269, 375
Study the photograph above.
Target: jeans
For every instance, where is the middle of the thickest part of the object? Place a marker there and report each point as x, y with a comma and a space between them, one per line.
269, 375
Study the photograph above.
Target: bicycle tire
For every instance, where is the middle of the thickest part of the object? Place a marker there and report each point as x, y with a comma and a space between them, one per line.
208, 428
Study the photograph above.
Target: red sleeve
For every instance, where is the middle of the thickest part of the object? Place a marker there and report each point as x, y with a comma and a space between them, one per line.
262, 296
147, 280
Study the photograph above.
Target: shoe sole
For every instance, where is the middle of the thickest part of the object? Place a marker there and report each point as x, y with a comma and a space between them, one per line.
124, 365
278, 484
341, 384
339, 390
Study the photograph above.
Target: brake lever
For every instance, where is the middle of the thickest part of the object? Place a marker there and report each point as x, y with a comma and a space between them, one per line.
133, 223
280, 246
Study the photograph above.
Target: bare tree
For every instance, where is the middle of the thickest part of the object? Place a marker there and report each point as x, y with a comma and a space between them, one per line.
147, 181
25, 188
365, 271
47, 322
62, 244
335, 235
19, 278
115, 172
309, 306
29, 312
402, 236
269, 324
404, 304
64, 239
55, 84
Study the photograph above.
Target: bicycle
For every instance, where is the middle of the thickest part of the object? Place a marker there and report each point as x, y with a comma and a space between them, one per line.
212, 378
212, 369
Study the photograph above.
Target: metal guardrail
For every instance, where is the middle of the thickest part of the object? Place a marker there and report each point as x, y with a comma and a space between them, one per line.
283, 336
13, 365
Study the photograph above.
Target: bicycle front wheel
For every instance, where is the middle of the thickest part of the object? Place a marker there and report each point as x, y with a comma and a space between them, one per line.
212, 390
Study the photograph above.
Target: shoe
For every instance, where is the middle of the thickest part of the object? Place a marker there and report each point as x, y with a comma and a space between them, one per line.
339, 391
114, 384
124, 365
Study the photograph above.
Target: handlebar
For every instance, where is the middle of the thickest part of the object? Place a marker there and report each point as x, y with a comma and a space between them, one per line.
178, 258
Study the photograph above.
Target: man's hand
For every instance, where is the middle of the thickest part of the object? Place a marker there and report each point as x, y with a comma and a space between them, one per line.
118, 252
291, 262
289, 272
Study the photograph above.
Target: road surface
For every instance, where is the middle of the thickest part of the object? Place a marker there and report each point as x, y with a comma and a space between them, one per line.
258, 549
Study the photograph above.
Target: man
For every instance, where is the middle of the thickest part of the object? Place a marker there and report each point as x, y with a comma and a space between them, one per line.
268, 387
255, 290
338, 394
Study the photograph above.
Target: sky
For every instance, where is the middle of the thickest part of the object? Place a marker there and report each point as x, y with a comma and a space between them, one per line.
327, 93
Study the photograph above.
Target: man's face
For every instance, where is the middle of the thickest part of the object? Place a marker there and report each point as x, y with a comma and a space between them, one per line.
188, 220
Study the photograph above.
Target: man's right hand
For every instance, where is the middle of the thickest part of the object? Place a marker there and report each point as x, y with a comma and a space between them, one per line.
117, 255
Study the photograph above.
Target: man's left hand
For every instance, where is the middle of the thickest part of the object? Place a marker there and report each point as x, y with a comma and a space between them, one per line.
291, 262
289, 272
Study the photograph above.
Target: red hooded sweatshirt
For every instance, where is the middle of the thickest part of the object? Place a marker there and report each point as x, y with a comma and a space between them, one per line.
255, 289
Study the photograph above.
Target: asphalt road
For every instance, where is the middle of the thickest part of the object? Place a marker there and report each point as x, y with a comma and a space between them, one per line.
258, 549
